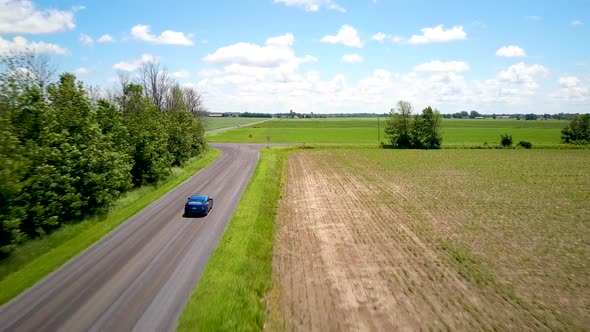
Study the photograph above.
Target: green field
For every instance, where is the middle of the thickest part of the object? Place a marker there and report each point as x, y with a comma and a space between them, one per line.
218, 123
365, 130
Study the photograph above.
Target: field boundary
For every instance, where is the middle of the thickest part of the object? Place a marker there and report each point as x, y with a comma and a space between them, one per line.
38, 258
231, 293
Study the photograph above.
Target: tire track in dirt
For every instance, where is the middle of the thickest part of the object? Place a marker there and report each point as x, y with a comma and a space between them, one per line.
347, 257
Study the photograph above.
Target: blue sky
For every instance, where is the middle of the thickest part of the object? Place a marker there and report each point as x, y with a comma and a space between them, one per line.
325, 56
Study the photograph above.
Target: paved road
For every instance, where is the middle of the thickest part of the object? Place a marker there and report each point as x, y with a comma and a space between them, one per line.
215, 131
139, 277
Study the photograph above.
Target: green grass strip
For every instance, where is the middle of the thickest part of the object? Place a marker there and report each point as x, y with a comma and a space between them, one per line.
37, 258
230, 295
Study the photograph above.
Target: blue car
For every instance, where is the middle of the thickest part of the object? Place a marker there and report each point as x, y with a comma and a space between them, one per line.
198, 205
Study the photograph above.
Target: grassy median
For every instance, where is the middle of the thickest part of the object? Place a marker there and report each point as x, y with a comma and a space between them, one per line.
37, 258
230, 295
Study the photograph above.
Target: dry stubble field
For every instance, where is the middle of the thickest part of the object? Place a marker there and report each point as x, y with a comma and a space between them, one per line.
448, 239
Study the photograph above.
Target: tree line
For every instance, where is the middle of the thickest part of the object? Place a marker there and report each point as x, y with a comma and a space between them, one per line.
67, 153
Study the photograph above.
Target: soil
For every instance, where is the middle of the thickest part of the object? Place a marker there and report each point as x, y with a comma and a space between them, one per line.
349, 256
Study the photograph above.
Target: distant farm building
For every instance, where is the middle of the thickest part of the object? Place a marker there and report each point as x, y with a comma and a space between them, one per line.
215, 115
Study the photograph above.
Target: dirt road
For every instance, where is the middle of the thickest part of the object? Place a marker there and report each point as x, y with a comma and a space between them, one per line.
140, 275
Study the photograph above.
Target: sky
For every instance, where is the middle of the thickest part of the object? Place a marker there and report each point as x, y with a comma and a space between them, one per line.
325, 56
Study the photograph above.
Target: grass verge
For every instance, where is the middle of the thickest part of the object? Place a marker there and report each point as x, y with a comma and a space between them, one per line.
37, 258
230, 295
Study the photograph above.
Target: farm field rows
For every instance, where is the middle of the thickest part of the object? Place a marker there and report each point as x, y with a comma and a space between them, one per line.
372, 239
365, 130
224, 122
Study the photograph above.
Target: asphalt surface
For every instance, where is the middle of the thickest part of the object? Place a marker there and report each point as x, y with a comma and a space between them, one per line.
139, 277
215, 131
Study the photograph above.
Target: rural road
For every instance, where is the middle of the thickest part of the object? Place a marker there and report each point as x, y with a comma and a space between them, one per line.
139, 277
215, 131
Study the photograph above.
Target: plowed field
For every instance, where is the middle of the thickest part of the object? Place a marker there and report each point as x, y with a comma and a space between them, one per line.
460, 240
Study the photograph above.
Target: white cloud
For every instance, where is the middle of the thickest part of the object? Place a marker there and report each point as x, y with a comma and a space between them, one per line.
105, 39
281, 41
168, 37
438, 66
21, 44
21, 17
379, 36
86, 39
522, 73
180, 74
313, 5
572, 89
438, 35
568, 81
209, 72
519, 80
276, 52
135, 64
511, 51
81, 71
576, 22
352, 58
397, 39
347, 35
238, 87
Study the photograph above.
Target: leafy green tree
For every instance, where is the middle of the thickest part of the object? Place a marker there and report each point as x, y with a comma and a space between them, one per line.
399, 125
112, 125
77, 171
185, 132
414, 132
577, 131
151, 159
12, 166
426, 132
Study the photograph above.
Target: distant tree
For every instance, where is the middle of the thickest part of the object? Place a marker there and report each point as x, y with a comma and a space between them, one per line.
399, 125
474, 114
530, 116
494, 116
426, 131
194, 102
506, 140
577, 131
155, 82
421, 131
464, 114
28, 69
185, 132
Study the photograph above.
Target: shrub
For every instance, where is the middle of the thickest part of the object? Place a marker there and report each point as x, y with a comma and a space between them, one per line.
578, 130
506, 140
525, 144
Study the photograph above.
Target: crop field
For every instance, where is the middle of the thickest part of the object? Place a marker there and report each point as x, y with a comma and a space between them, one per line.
217, 123
372, 239
365, 130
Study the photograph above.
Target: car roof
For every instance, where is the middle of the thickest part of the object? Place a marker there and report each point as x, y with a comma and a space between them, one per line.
198, 198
